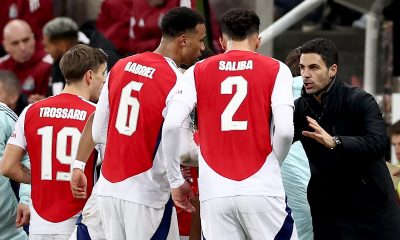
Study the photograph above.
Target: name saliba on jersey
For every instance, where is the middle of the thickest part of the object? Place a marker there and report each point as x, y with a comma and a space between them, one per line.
64, 113
235, 65
139, 69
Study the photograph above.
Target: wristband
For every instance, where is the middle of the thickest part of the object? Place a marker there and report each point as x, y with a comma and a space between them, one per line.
79, 165
337, 142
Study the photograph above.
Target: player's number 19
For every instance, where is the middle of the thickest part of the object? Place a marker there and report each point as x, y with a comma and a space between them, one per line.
61, 151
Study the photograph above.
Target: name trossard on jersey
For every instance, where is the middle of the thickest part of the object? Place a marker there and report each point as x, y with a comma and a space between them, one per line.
51, 129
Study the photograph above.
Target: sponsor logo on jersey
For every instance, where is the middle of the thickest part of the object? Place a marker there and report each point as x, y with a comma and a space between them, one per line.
64, 113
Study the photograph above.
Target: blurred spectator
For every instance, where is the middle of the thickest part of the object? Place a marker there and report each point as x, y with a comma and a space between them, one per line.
80, 11
395, 138
31, 65
36, 12
134, 25
61, 34
113, 23
97, 40
10, 92
145, 20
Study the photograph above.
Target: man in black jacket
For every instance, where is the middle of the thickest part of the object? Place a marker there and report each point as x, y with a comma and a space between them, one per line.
350, 192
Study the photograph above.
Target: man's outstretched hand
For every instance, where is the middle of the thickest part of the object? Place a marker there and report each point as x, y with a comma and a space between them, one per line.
182, 195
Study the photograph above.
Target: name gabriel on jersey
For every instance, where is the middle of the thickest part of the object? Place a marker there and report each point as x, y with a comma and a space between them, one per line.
139, 69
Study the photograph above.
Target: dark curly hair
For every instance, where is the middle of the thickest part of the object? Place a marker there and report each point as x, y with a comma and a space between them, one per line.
180, 20
239, 23
323, 47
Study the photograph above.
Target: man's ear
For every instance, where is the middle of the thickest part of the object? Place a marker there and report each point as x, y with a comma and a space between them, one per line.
258, 42
333, 70
222, 42
183, 40
88, 76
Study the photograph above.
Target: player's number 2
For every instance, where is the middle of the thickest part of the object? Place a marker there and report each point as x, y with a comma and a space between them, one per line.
125, 124
227, 122
61, 150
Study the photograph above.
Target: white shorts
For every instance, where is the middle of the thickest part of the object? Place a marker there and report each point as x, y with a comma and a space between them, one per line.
124, 220
89, 224
247, 217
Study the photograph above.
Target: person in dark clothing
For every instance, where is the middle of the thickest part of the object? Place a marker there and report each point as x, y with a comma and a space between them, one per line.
350, 192
10, 92
61, 34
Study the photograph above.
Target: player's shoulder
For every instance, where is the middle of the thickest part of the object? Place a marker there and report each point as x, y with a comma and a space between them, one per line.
6, 113
266, 60
64, 99
88, 104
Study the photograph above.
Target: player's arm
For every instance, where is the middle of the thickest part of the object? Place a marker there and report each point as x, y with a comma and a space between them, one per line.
85, 148
23, 213
188, 146
11, 165
100, 120
282, 111
178, 109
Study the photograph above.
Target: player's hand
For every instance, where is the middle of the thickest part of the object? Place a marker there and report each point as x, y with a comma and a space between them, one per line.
182, 196
396, 172
78, 184
35, 97
23, 215
186, 174
319, 134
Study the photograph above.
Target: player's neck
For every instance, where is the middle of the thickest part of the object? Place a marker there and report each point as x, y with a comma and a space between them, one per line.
168, 49
244, 45
77, 89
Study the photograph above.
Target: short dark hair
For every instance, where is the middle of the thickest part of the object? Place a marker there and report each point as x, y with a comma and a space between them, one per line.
80, 59
10, 81
395, 128
293, 61
239, 23
61, 28
323, 47
180, 20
